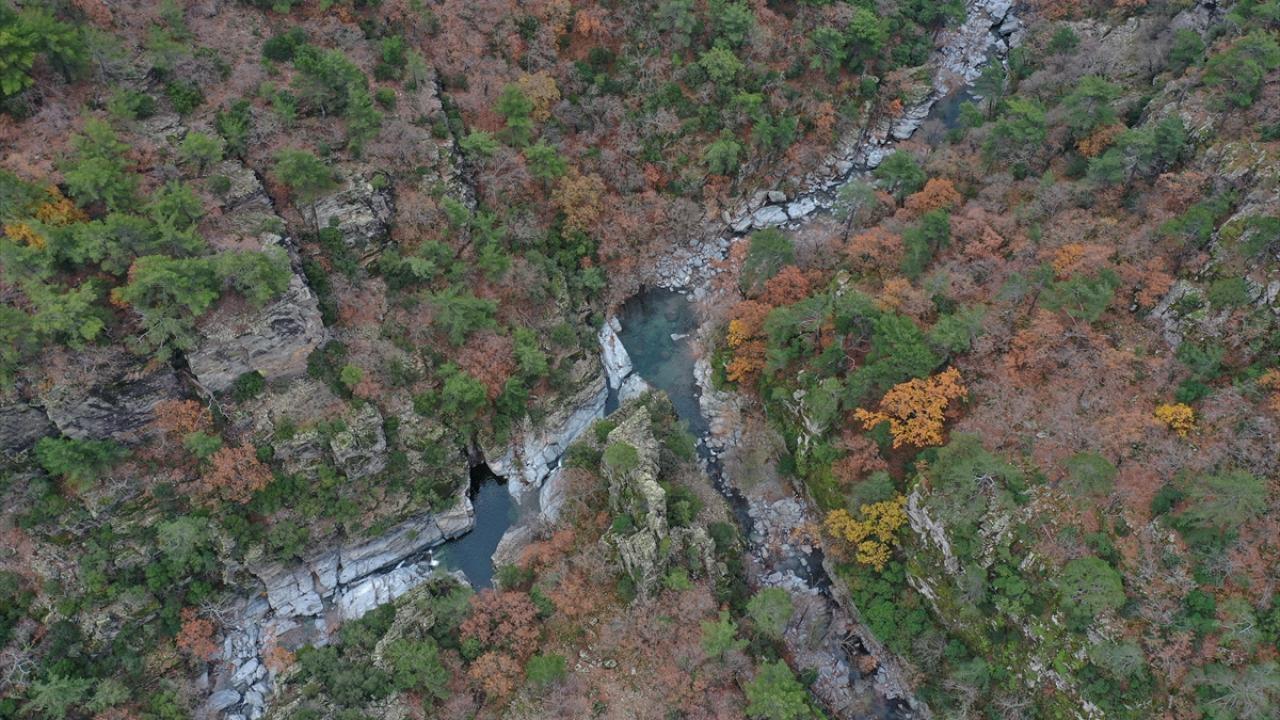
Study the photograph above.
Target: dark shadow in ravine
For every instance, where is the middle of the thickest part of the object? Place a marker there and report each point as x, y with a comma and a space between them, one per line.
495, 512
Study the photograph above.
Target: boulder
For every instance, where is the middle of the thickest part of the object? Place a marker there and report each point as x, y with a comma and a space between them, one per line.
275, 340
361, 449
769, 216
360, 211
117, 401
21, 426
513, 543
359, 599
223, 699
291, 591
802, 207
245, 188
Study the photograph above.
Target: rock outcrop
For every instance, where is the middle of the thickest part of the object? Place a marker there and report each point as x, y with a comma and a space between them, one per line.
647, 547
302, 603
563, 430
535, 452
21, 425
621, 374
361, 449
116, 401
275, 340
303, 589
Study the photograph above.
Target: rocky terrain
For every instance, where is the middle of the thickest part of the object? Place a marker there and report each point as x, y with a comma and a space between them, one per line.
971, 413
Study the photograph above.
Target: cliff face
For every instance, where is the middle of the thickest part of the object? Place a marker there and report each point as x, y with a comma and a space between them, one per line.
646, 543
304, 602
537, 446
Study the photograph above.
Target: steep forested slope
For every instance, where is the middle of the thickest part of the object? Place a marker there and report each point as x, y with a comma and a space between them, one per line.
1029, 373
275, 276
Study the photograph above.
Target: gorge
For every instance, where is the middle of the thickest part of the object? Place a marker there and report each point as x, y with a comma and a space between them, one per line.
652, 343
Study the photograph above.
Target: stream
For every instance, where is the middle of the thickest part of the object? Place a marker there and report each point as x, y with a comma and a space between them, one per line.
658, 330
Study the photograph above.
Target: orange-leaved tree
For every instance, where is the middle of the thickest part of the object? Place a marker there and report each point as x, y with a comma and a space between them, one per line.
744, 338
1271, 381
234, 475
195, 638
937, 194
875, 251
916, 409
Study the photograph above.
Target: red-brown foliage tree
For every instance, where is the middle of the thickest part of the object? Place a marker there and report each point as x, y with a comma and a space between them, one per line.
489, 358
503, 620
234, 475
195, 638
875, 251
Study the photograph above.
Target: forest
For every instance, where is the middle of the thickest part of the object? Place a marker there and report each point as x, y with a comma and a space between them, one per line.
986, 349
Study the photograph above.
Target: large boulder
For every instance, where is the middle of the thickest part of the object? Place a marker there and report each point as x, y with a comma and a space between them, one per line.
614, 356
115, 400
274, 340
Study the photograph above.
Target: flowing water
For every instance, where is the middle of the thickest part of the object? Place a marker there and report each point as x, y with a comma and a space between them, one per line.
657, 328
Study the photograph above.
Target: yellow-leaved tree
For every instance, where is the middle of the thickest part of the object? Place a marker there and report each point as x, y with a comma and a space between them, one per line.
916, 409
872, 536
1178, 417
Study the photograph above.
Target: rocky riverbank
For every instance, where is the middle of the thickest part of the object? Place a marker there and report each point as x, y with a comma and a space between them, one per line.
785, 552
852, 680
990, 29
305, 602
302, 603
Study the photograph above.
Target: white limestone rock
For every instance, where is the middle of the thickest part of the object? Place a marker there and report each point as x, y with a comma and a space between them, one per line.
617, 363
